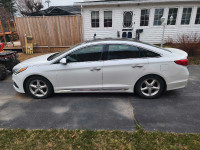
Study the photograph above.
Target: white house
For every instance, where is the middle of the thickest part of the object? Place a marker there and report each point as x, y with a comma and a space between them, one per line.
122, 18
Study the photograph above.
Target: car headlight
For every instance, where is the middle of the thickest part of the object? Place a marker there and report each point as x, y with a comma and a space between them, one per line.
17, 71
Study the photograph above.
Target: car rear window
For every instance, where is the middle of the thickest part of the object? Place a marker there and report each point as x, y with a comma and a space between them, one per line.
147, 53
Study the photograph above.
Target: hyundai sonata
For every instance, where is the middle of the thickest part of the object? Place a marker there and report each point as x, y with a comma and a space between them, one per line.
104, 66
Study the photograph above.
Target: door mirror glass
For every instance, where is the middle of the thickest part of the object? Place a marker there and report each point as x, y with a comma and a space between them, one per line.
63, 61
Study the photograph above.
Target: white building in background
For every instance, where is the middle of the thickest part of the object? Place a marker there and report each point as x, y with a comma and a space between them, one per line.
122, 18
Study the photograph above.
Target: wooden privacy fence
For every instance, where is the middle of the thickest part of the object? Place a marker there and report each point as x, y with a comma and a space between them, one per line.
50, 33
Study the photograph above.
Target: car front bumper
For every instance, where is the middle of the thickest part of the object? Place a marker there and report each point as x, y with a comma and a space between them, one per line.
18, 83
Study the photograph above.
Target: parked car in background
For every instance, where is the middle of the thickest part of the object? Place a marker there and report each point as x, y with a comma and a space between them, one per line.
104, 66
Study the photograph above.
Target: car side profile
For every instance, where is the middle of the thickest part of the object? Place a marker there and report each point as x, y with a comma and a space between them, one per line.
104, 66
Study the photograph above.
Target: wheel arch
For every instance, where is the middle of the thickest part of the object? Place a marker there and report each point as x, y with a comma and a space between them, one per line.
165, 83
24, 83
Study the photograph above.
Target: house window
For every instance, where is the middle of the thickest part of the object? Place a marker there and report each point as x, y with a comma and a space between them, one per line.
95, 19
186, 16
128, 16
144, 20
157, 16
197, 21
172, 12
107, 18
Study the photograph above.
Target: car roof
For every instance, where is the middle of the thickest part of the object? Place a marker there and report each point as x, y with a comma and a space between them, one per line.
111, 40
126, 41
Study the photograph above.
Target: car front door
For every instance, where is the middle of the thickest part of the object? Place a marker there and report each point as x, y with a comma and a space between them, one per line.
83, 71
122, 67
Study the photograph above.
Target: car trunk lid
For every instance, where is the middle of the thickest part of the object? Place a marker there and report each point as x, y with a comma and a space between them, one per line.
178, 52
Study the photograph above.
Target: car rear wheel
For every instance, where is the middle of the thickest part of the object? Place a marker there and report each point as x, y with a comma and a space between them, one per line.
39, 87
150, 86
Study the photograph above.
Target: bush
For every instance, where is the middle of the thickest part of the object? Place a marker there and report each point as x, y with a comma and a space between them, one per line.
187, 42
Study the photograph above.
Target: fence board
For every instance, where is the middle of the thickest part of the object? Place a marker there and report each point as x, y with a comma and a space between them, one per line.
50, 32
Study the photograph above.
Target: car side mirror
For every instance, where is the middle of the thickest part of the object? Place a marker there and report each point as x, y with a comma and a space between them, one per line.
63, 61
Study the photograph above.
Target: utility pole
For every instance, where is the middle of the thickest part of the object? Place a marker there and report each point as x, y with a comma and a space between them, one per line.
48, 2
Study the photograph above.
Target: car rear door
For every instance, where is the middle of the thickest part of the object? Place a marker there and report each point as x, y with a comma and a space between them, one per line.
122, 67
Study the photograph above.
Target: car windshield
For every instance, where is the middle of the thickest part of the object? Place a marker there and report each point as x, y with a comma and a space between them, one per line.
56, 55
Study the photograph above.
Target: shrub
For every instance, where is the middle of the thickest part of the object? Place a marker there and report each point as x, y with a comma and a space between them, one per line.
187, 42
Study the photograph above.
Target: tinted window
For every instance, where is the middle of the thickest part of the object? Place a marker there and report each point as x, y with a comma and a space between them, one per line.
144, 19
147, 53
157, 16
91, 53
107, 18
197, 21
95, 19
186, 16
122, 52
128, 16
172, 12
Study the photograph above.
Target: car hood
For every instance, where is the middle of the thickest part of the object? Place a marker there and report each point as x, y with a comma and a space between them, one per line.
39, 60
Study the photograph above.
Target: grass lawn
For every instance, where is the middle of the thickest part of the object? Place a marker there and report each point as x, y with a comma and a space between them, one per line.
102, 140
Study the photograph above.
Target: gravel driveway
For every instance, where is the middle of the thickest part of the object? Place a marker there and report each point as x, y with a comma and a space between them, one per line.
176, 111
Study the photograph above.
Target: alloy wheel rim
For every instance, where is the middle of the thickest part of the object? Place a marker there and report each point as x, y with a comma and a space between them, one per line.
150, 87
38, 88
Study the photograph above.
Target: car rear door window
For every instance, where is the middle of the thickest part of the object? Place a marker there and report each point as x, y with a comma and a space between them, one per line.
117, 51
91, 53
147, 53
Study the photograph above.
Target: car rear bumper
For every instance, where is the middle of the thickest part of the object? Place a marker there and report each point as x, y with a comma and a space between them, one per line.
177, 85
178, 78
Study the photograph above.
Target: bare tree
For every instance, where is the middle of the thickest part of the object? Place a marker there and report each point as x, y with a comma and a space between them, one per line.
4, 17
27, 7
4, 14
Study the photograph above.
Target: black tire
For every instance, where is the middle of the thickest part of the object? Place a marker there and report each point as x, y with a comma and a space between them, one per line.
29, 90
3, 72
141, 90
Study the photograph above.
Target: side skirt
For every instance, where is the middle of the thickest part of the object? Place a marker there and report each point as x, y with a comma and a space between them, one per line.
93, 90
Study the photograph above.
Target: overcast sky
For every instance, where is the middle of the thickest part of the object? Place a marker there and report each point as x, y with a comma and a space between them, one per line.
61, 2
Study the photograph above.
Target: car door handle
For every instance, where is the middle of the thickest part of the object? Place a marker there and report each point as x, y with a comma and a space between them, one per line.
95, 69
137, 66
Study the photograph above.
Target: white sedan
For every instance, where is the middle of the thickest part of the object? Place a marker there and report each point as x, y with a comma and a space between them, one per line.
104, 66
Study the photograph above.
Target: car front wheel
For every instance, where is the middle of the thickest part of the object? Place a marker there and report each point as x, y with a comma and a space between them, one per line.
150, 86
39, 87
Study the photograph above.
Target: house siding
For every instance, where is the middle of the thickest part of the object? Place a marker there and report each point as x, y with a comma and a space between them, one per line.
151, 34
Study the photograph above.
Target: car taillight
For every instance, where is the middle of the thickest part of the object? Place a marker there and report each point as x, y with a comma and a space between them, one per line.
183, 62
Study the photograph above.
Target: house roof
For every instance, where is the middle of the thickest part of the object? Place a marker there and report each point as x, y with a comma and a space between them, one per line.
58, 11
114, 2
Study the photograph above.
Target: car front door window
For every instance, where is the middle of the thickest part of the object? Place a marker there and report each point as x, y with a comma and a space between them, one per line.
87, 54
